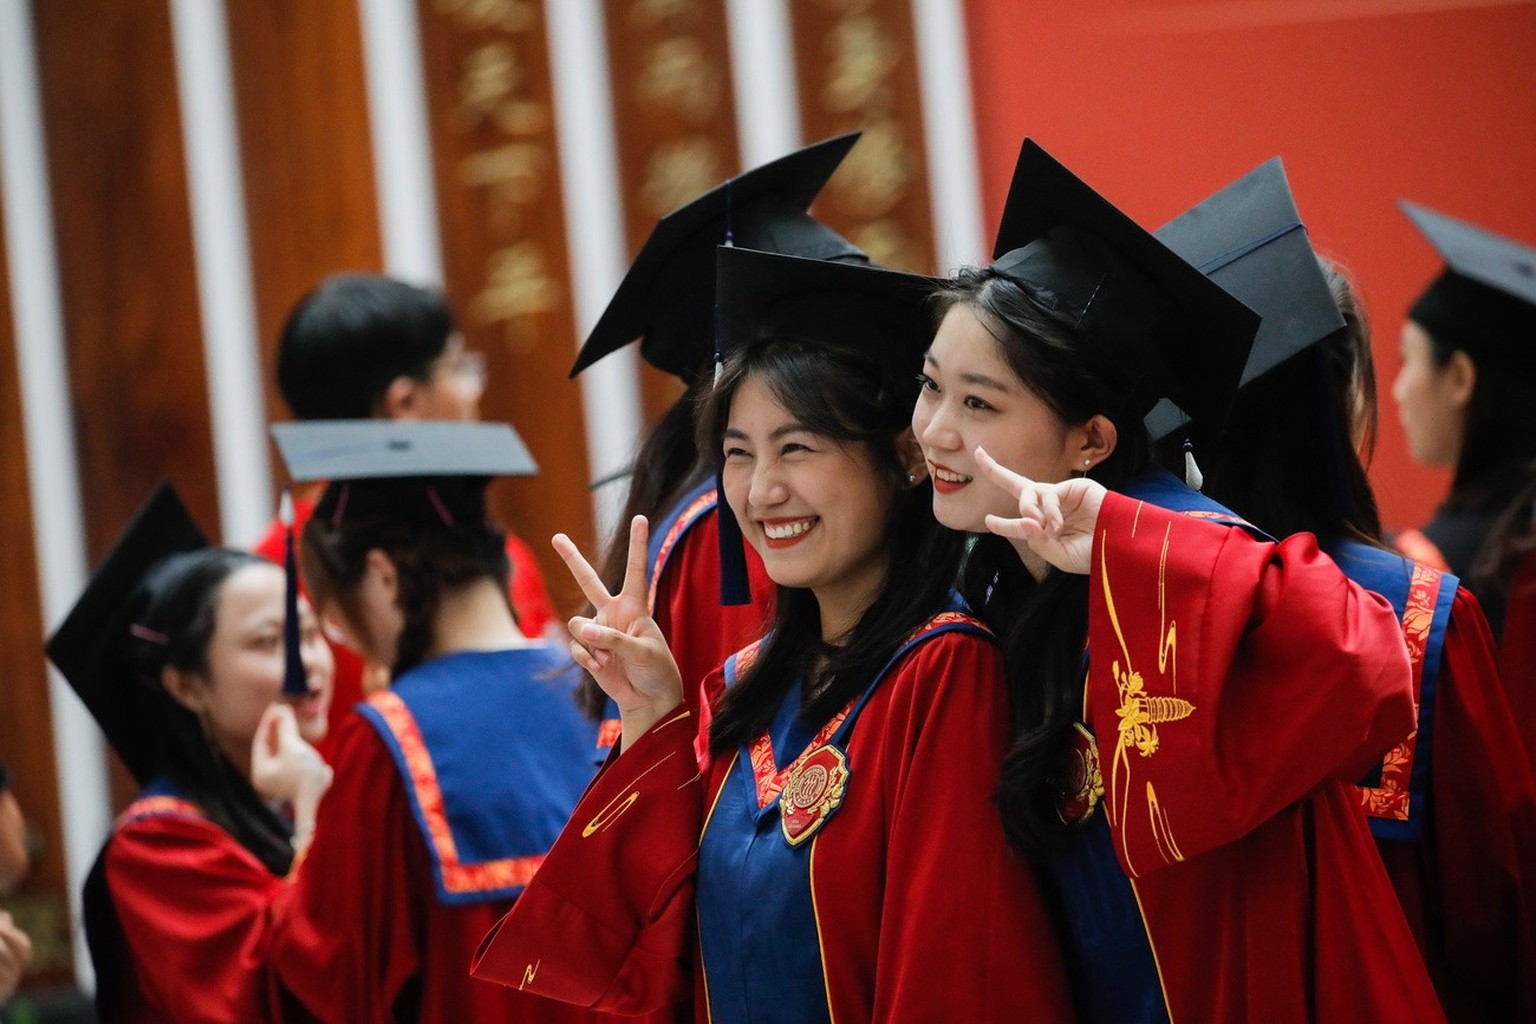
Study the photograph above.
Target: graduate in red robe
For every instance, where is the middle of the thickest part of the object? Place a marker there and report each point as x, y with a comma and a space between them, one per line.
1450, 803
453, 782
1191, 802
360, 346
819, 841
177, 649
666, 300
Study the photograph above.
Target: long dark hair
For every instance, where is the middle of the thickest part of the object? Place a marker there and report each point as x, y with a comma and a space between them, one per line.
1286, 460
847, 399
668, 463
431, 556
1042, 624
177, 608
1498, 442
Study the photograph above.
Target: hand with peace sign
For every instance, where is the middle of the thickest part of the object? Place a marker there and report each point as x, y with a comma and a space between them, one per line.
620, 644
1055, 520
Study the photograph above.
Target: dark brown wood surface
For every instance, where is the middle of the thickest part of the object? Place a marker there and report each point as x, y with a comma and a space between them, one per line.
306, 158
856, 66
490, 106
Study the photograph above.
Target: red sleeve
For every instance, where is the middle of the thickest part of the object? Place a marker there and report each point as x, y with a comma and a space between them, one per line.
347, 926
1484, 804
1229, 678
529, 596
607, 922
193, 907
941, 746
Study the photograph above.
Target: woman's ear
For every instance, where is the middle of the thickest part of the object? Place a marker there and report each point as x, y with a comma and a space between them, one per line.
910, 451
379, 571
185, 688
1098, 441
1460, 375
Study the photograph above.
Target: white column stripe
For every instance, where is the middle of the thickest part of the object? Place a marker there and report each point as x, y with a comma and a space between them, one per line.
231, 348
48, 422
949, 131
763, 77
402, 146
589, 179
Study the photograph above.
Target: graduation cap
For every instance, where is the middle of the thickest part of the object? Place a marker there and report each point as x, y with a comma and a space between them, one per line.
667, 299
1484, 302
1249, 239
406, 469
89, 647
881, 315
1155, 324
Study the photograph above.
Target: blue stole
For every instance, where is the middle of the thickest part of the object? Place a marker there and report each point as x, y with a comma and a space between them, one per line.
758, 934
1109, 958
1395, 796
493, 755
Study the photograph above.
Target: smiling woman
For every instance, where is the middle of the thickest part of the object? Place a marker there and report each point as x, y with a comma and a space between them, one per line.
841, 770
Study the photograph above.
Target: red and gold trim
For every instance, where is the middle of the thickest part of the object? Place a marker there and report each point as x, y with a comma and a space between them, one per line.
690, 515
457, 877
608, 732
1390, 797
769, 777
156, 807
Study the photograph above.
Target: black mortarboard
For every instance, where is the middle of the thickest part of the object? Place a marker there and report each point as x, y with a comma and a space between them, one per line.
89, 648
1158, 327
407, 469
882, 315
668, 299
1485, 300
1249, 239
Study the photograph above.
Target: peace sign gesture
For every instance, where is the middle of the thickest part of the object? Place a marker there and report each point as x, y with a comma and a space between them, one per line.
1055, 520
620, 644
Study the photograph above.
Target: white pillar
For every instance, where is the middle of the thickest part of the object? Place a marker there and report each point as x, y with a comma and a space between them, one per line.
589, 179
48, 422
402, 147
949, 134
763, 78
232, 350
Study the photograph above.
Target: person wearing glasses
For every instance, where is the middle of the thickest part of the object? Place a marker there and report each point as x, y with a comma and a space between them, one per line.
366, 346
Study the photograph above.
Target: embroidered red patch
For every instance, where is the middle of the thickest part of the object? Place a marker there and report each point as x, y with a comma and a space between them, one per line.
812, 793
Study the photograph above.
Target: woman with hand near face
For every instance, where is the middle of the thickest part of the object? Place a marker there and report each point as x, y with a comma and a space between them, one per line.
177, 649
1191, 703
820, 841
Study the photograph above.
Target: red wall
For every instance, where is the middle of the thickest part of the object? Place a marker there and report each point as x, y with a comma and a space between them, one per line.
1159, 104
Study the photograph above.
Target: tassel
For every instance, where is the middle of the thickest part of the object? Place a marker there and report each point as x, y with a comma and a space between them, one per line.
295, 679
1193, 479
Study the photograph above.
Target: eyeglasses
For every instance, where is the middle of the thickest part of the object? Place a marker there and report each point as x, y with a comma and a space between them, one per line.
468, 366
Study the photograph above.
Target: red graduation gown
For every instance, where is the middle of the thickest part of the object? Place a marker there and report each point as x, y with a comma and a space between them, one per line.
923, 912
1237, 689
192, 906
1466, 893
357, 935
526, 590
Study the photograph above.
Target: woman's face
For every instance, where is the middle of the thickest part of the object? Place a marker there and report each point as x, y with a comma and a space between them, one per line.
1431, 401
814, 508
971, 397
245, 660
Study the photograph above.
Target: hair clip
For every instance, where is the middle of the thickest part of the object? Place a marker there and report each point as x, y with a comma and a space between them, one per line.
154, 636
341, 504
442, 510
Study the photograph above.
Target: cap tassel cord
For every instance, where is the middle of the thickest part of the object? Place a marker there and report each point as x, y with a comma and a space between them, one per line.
442, 509
1193, 478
